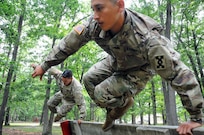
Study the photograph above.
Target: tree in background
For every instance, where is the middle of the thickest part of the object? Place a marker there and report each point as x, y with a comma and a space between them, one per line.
15, 41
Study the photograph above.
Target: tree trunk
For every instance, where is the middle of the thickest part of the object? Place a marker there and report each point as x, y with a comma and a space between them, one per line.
154, 104
45, 109
163, 116
141, 114
141, 118
169, 94
149, 115
92, 106
120, 120
7, 116
11, 68
199, 63
133, 119
48, 128
170, 104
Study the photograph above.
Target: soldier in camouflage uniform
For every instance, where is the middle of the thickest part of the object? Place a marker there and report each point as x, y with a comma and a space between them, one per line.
136, 52
70, 94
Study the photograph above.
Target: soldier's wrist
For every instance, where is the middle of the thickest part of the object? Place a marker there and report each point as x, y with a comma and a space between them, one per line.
199, 120
45, 67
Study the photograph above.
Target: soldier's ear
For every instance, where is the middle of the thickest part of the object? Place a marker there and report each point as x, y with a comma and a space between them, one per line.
121, 5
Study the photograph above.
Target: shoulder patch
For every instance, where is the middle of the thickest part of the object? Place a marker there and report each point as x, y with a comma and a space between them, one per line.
79, 28
160, 62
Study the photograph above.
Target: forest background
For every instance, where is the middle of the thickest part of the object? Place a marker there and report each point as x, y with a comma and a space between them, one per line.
30, 28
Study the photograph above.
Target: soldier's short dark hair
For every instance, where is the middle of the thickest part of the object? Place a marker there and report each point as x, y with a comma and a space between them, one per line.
67, 74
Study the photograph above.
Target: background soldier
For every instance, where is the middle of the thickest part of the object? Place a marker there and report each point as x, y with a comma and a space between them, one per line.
136, 51
70, 94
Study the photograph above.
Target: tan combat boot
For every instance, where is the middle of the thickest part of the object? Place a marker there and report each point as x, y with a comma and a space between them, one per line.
109, 121
120, 111
116, 113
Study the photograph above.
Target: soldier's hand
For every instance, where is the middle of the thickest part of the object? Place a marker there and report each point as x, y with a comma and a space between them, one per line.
38, 71
79, 121
33, 66
186, 128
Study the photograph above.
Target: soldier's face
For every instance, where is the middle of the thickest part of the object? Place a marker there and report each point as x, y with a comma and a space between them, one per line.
66, 81
109, 15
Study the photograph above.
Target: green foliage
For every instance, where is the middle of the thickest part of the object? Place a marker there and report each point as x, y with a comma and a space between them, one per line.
7, 8
148, 8
86, 55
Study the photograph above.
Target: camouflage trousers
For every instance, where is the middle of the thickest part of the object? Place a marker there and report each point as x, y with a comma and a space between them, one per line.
56, 100
109, 89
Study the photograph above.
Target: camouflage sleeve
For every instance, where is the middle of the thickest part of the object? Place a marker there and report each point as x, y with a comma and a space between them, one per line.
166, 62
67, 46
55, 72
80, 102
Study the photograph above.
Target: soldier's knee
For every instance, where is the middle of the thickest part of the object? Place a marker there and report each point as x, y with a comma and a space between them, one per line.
49, 103
102, 98
85, 78
99, 94
88, 83
105, 99
51, 107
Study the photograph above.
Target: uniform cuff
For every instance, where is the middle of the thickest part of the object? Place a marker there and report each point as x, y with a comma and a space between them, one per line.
197, 118
45, 67
197, 121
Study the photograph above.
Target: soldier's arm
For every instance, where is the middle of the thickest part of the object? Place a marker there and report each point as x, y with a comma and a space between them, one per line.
67, 46
55, 72
166, 62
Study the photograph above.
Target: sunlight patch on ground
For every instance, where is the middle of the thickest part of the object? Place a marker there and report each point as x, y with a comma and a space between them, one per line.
30, 124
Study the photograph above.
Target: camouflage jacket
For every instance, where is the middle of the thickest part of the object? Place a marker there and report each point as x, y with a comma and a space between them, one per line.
126, 48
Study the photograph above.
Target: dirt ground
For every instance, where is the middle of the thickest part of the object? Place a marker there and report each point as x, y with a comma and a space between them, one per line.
22, 128
12, 131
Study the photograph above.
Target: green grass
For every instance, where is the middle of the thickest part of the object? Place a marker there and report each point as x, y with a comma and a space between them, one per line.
33, 127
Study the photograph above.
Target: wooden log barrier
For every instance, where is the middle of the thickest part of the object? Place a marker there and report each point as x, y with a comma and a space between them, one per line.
94, 128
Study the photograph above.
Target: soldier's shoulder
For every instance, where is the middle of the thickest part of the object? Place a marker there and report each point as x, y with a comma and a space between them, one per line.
142, 21
87, 27
76, 81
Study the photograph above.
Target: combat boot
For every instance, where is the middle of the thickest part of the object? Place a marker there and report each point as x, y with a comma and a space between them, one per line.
57, 118
116, 113
109, 121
